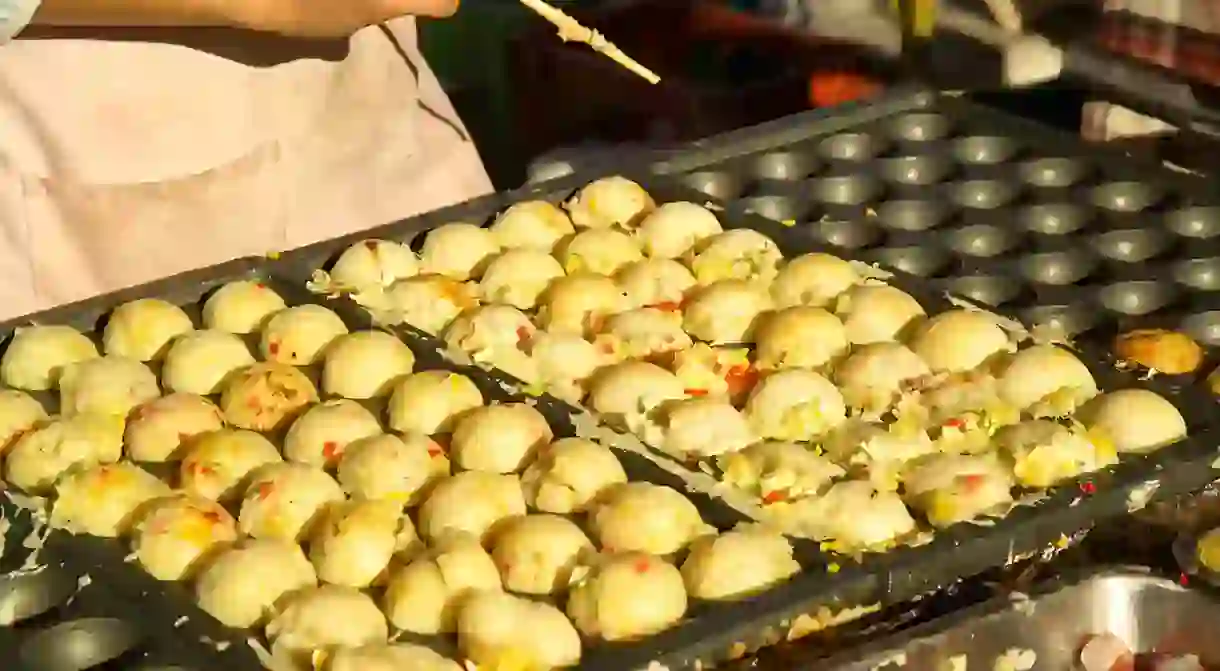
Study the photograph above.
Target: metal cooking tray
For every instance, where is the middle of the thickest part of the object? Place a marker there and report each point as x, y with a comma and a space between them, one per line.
835, 582
1148, 612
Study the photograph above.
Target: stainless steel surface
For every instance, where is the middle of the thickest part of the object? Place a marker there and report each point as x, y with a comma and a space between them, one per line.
1147, 612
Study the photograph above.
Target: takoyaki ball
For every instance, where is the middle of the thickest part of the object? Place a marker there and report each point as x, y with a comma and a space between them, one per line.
110, 385
473, 502
319, 436
243, 584
299, 335
603, 251
777, 471
656, 283
566, 362
501, 631
874, 313
519, 277
37, 355
321, 619
799, 337
162, 429
569, 475
372, 264
386, 657
1044, 452
644, 333
580, 303
884, 450
725, 312
354, 541
643, 517
199, 362
459, 251
430, 402
500, 438
951, 488
218, 464
959, 340
103, 500
610, 201
815, 280
19, 412
1134, 420
674, 229
496, 335
795, 404
738, 563
430, 302
696, 428
852, 516
266, 396
626, 394
714, 371
536, 554
390, 468
365, 364
534, 224
872, 377
737, 254
285, 500
142, 329
42, 455
628, 596
241, 307
424, 596
177, 534
1046, 381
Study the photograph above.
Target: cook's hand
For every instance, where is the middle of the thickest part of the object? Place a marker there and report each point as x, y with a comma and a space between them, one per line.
330, 18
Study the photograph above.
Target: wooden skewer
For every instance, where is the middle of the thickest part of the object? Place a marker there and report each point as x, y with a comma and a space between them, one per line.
570, 30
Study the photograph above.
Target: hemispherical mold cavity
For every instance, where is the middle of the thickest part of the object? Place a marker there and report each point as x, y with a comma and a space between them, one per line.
1053, 218
1131, 245
915, 170
984, 149
1066, 320
1138, 297
850, 147
30, 594
1125, 196
776, 207
79, 644
919, 261
1201, 222
982, 194
919, 127
1052, 173
853, 189
1203, 326
1059, 268
983, 240
718, 184
846, 234
783, 165
912, 215
1198, 274
990, 290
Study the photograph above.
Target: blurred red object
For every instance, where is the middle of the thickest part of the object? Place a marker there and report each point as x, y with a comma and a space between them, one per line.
827, 89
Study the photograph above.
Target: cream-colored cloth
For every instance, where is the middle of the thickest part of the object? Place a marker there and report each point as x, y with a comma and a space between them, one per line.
122, 160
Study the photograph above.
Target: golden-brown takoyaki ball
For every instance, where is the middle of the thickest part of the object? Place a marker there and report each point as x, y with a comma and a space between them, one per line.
674, 229
428, 302
603, 251
610, 201
738, 563
877, 313
37, 355
1134, 420
815, 280
319, 436
284, 501
700, 427
19, 412
499, 630
725, 312
959, 340
628, 596
872, 376
354, 541
640, 516
499, 438
391, 468
299, 335
103, 500
372, 264
569, 475
42, 455
242, 586
200, 361
473, 503
737, 254
537, 554
266, 396
425, 596
799, 337
459, 251
566, 361
365, 364
533, 224
142, 329
218, 464
162, 429
644, 333
177, 534
1046, 381
627, 393
496, 335
580, 303
241, 307
321, 619
656, 283
431, 402
110, 385
795, 404
519, 277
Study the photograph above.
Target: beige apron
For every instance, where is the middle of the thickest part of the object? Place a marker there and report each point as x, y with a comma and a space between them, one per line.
122, 161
